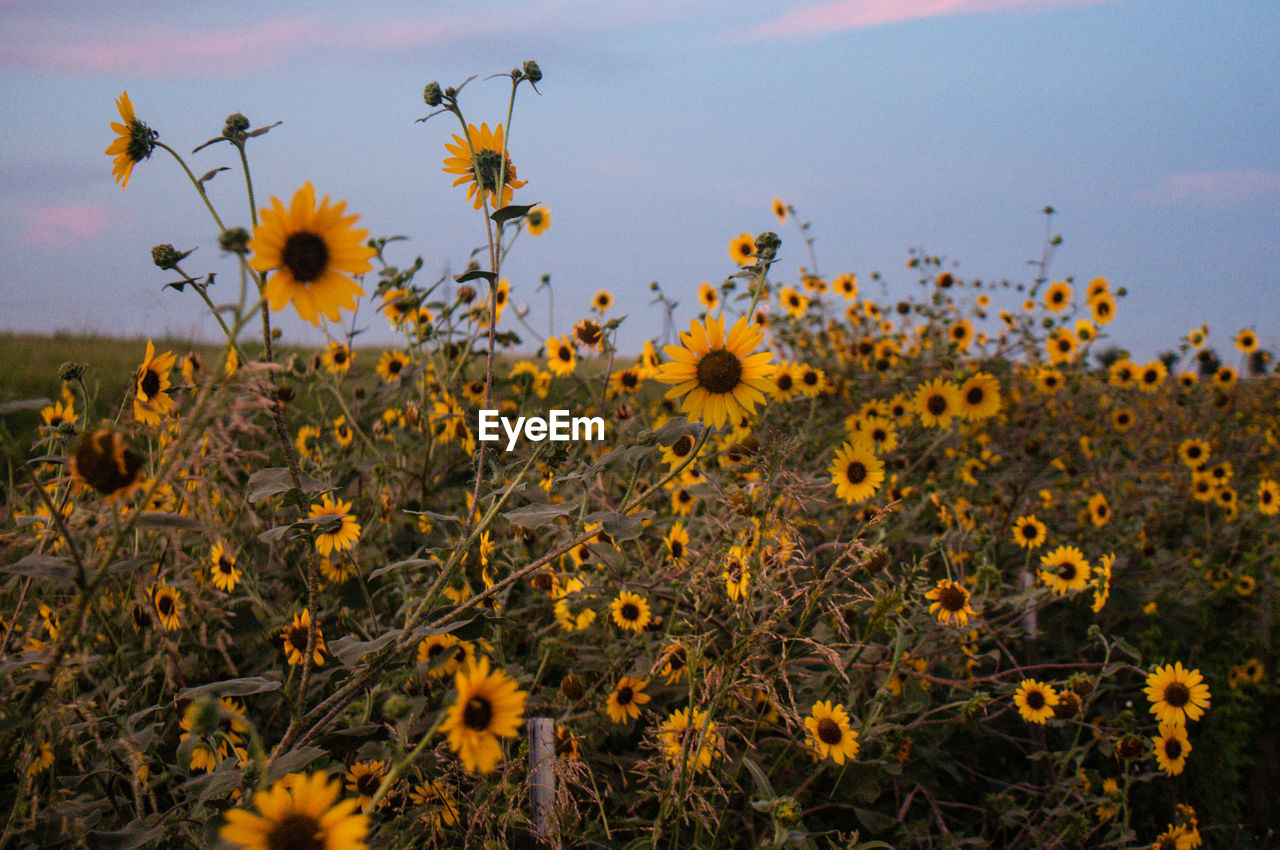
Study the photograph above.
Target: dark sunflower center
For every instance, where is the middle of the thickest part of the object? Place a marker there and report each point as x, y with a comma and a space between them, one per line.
434, 650
142, 140
368, 784
975, 395
1067, 571
1177, 694
810, 378
1173, 749
629, 379
629, 611
784, 382
937, 405
734, 570
394, 367
564, 353
1035, 700
305, 255
677, 549
856, 472
953, 598
719, 371
295, 831
477, 714
1029, 531
150, 383
225, 565
298, 637
1064, 344
625, 695
829, 732
339, 357
1057, 297
1193, 452
164, 605
682, 446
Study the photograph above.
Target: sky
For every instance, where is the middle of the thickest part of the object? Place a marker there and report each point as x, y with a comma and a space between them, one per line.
662, 130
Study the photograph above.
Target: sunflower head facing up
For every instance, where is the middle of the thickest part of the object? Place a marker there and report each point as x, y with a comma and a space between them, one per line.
1177, 694
490, 705
479, 160
300, 811
718, 376
133, 143
311, 251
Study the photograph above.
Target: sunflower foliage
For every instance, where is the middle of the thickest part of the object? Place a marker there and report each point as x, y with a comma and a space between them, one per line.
847, 569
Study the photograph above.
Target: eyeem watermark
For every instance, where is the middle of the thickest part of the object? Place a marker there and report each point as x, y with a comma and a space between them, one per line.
558, 427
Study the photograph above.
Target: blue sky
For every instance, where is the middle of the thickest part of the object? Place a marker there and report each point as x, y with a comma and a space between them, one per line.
663, 130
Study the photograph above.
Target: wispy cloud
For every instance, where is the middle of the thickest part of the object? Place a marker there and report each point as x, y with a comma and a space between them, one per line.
819, 19
52, 226
1216, 188
194, 48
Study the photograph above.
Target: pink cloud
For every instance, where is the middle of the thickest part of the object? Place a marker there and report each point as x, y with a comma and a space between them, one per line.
823, 18
1218, 188
49, 227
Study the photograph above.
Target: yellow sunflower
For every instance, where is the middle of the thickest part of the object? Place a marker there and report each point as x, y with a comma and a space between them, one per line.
737, 572
133, 143
168, 606
780, 210
538, 220
311, 252
560, 356
980, 397
742, 248
602, 301
1268, 497
1064, 569
1103, 306
151, 402
626, 698
391, 365
223, 567
1099, 510
1058, 297
299, 811
719, 377
1029, 532
334, 538
337, 358
1177, 694
937, 402
293, 640
480, 162
829, 732
490, 705
695, 737
856, 472
1172, 747
363, 779
104, 461
57, 413
1035, 701
631, 611
950, 602
708, 296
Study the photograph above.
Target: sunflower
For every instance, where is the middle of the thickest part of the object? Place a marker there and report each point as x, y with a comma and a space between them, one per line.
1102, 583
538, 220
391, 364
695, 737
1065, 568
737, 572
631, 611
795, 303
708, 296
589, 334
1058, 298
677, 541
294, 640
856, 472
1061, 346
223, 567
1099, 510
980, 397
328, 536
1151, 376
785, 386
445, 654
168, 606
847, 285
625, 700
1035, 701
133, 143
1122, 419
490, 705
1268, 497
1049, 381
481, 161
560, 356
719, 377
742, 248
937, 402
1225, 378
337, 358
829, 732
308, 443
1177, 694
363, 779
951, 602
57, 413
150, 401
602, 301
437, 800
780, 210
811, 380
104, 461
300, 811
1246, 341
961, 334
312, 252
880, 430
1172, 747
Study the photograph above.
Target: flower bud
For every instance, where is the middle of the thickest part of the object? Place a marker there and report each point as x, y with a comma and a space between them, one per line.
767, 245
165, 255
234, 240
431, 94
71, 371
204, 715
466, 293
786, 811
571, 688
396, 707
235, 126
532, 72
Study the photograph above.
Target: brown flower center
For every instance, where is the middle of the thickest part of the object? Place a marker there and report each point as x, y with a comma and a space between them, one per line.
295, 831
682, 446
1177, 694
1035, 700
477, 714
1173, 749
625, 694
719, 371
784, 381
829, 732
305, 255
953, 598
629, 611
975, 396
856, 472
149, 383
936, 404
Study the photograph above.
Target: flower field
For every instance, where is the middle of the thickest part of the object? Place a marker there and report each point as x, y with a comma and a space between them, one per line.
944, 569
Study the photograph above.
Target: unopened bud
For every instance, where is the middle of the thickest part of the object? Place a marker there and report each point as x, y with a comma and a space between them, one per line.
767, 245
431, 95
71, 371
466, 294
532, 72
234, 240
236, 125
165, 255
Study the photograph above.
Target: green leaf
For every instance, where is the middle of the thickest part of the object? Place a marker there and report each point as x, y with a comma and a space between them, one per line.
411, 563
536, 516
277, 479
476, 274
293, 761
164, 519
511, 211
349, 651
232, 688
24, 404
42, 566
874, 821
